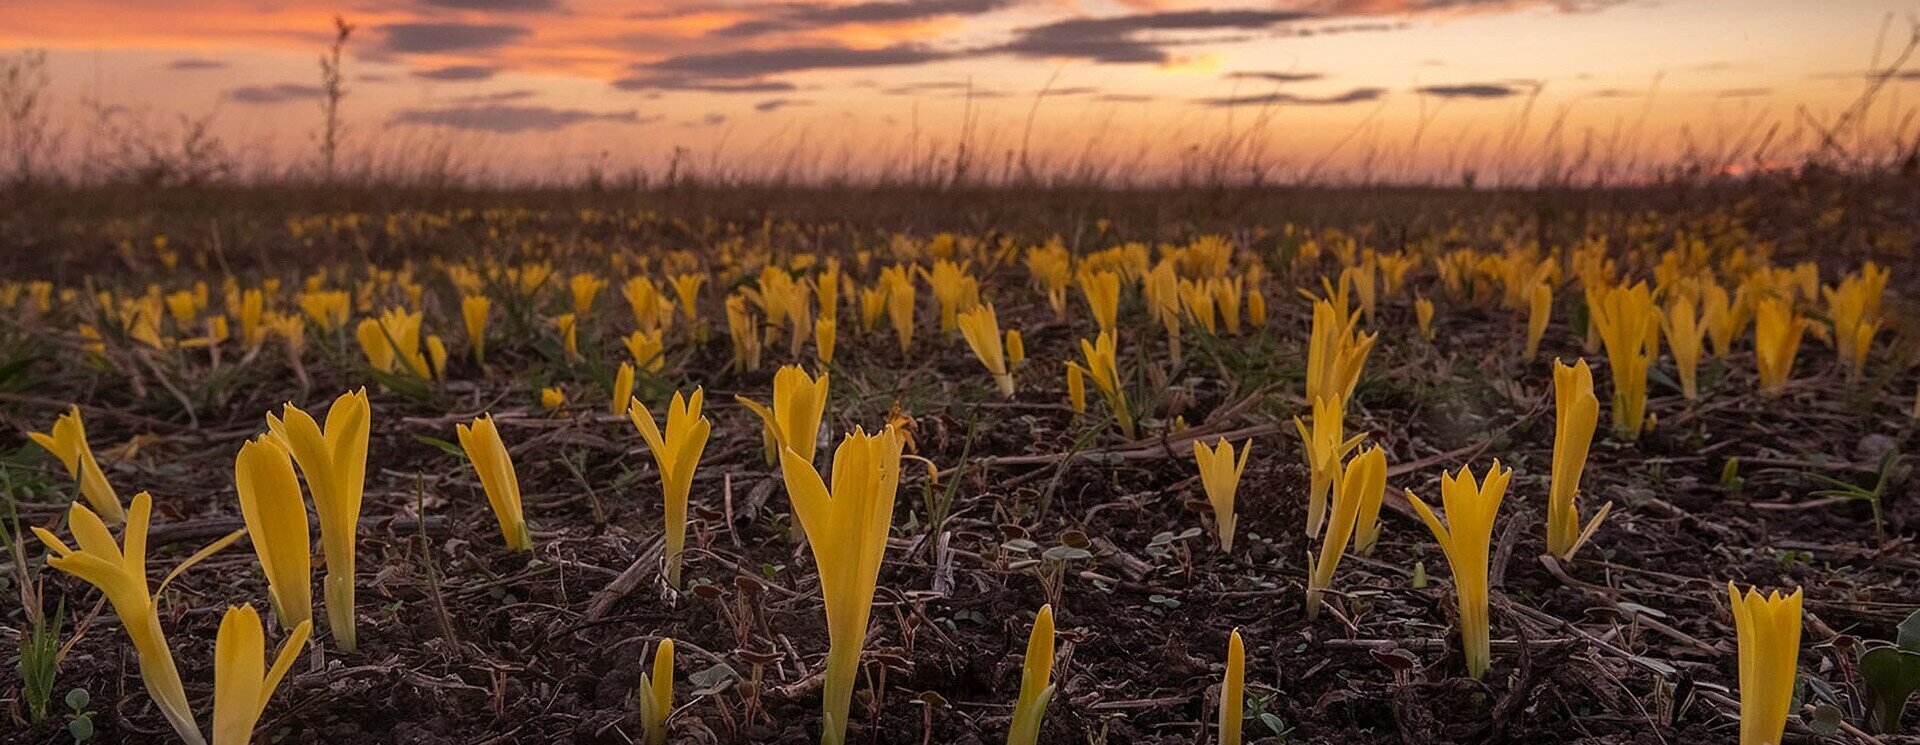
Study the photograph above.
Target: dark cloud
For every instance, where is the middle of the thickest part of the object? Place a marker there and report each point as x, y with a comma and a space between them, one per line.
1475, 90
754, 63
496, 5
273, 94
1356, 95
710, 120
1275, 77
775, 104
798, 17
656, 83
1124, 98
503, 119
372, 77
196, 63
458, 73
434, 38
1138, 38
498, 96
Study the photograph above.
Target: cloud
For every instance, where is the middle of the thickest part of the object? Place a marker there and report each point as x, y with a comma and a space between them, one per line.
458, 73
1124, 98
655, 83
521, 94
798, 17
1138, 38
1356, 95
496, 5
753, 63
1744, 92
196, 63
775, 104
268, 95
435, 38
1477, 90
710, 120
502, 119
1276, 77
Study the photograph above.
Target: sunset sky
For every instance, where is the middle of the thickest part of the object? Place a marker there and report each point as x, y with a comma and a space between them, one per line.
1404, 88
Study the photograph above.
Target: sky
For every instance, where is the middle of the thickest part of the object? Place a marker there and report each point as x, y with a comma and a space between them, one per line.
1136, 89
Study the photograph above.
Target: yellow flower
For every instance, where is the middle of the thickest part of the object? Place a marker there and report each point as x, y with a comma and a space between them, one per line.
253, 308
899, 289
552, 398
823, 337
1539, 312
847, 531
1769, 635
799, 402
1103, 369
569, 327
1103, 298
584, 287
981, 328
646, 348
745, 332
687, 288
1220, 477
1777, 330
1257, 307
68, 442
334, 462
473, 308
1629, 326
1233, 690
1227, 295
481, 441
1683, 337
276, 518
1471, 508
656, 695
1576, 414
956, 291
676, 453
1335, 353
1036, 682
242, 683
1325, 444
1077, 389
393, 341
121, 575
622, 388
1423, 315
1358, 493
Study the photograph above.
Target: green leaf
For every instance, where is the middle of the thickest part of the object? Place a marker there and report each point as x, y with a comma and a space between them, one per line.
81, 727
1907, 634
1892, 676
77, 700
449, 447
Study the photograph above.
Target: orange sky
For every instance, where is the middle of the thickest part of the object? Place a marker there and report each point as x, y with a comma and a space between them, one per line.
1401, 89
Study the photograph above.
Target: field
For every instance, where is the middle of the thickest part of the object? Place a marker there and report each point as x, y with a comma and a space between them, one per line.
1005, 503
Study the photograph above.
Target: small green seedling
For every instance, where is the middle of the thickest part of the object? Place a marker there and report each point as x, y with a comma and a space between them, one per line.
79, 717
1892, 673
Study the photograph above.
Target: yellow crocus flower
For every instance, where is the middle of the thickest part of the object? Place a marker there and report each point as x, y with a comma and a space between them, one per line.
473, 309
1423, 315
568, 325
1629, 327
276, 518
1777, 330
1077, 389
1233, 690
121, 574
686, 287
1220, 477
622, 388
656, 695
799, 401
1036, 682
67, 441
900, 293
676, 453
481, 441
1539, 312
1471, 507
1325, 444
334, 461
824, 330
646, 348
1576, 414
981, 328
1103, 369
1683, 338
584, 288
847, 530
1102, 290
1359, 488
242, 682
1768, 630
1336, 353
745, 332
